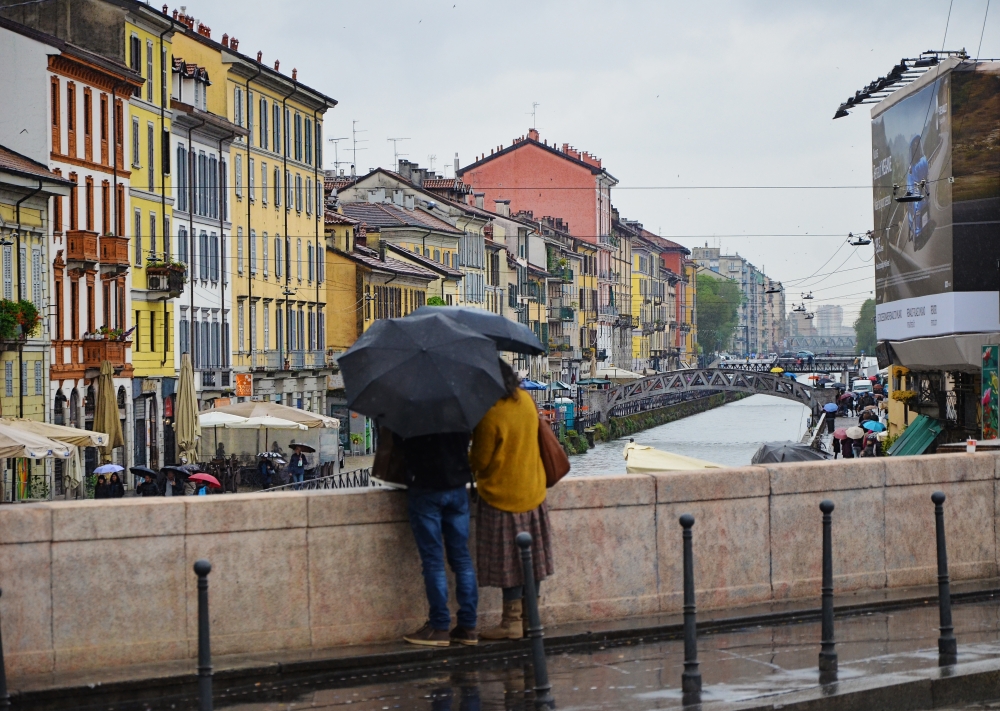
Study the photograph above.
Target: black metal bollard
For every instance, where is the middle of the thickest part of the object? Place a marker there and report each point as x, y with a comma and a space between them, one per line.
947, 644
4, 696
828, 652
691, 676
202, 568
543, 689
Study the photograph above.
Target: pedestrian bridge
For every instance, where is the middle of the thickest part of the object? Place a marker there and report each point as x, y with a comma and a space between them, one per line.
669, 388
819, 364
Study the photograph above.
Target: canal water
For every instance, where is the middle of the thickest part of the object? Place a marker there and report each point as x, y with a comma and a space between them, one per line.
728, 435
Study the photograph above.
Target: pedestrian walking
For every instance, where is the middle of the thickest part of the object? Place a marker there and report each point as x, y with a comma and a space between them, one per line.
297, 465
436, 471
116, 489
101, 489
510, 479
172, 486
148, 487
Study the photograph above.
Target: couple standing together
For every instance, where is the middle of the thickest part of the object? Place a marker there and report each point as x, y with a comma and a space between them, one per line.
510, 478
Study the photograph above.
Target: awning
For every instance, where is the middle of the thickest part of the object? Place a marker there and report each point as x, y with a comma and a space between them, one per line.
533, 385
560, 385
917, 437
593, 381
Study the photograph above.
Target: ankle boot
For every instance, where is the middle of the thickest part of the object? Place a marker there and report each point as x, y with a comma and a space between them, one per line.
510, 623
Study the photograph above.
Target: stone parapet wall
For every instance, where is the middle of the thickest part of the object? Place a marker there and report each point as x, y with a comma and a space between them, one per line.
89, 584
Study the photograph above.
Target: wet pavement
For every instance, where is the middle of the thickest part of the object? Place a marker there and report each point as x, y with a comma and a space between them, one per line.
745, 667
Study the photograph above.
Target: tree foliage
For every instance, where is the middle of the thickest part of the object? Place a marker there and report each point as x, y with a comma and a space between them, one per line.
864, 328
718, 311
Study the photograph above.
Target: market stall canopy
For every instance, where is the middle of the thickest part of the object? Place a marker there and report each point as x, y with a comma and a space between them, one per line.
640, 459
15, 442
261, 408
617, 374
60, 433
214, 418
788, 451
265, 422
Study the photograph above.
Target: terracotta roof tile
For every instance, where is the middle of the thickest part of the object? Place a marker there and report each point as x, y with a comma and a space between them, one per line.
425, 261
370, 258
335, 218
17, 163
384, 215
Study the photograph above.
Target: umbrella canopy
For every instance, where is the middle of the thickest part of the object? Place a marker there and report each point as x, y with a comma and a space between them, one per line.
187, 429
527, 384
106, 411
847, 396
22, 443
830, 407
265, 422
214, 418
260, 408
108, 469
788, 451
207, 478
840, 433
142, 471
873, 426
508, 335
855, 432
776, 369
422, 375
304, 447
60, 433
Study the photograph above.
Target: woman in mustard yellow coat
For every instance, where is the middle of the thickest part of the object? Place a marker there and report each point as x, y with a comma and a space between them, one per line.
510, 478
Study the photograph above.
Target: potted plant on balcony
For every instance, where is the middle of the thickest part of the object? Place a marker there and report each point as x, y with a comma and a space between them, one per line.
18, 319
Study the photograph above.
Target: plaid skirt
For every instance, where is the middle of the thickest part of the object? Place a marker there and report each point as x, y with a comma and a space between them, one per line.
498, 559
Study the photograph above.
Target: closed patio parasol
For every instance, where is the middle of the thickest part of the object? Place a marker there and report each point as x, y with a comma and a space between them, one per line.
186, 425
106, 411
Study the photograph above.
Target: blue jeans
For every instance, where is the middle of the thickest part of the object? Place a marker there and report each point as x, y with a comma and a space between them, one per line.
297, 477
437, 515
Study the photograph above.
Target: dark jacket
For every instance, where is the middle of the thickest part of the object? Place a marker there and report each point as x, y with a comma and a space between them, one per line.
437, 461
148, 488
116, 490
102, 491
177, 490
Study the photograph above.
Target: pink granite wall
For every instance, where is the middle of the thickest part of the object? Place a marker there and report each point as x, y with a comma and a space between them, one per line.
95, 583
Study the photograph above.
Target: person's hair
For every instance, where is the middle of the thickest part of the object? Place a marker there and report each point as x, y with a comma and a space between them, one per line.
100, 479
114, 476
511, 383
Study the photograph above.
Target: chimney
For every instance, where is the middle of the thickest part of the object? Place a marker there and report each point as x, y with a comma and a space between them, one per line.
175, 14
260, 56
502, 207
166, 10
408, 202
480, 200
361, 238
352, 170
225, 41
532, 134
381, 250
456, 165
277, 64
234, 44
295, 74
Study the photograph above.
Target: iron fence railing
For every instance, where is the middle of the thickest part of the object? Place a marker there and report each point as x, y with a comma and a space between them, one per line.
356, 479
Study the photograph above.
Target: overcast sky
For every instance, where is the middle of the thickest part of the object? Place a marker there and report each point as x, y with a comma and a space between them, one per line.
665, 93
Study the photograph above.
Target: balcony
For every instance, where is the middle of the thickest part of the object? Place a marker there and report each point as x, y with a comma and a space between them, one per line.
567, 313
266, 360
296, 360
165, 278
81, 246
114, 251
95, 352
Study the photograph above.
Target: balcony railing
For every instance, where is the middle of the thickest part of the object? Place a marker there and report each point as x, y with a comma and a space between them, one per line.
316, 359
266, 360
95, 352
297, 360
166, 278
114, 251
81, 246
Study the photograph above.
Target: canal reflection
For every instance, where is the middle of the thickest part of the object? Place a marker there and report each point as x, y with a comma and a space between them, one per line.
727, 435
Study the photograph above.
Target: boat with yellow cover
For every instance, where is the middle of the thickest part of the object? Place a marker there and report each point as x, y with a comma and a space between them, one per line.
640, 459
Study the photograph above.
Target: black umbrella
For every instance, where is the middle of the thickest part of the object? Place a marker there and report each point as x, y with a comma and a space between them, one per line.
788, 451
142, 471
422, 375
508, 335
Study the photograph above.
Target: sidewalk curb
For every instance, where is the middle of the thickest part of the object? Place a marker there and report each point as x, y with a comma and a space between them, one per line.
407, 660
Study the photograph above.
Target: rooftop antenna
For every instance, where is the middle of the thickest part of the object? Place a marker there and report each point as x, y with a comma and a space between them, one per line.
534, 109
354, 140
336, 155
395, 151
430, 161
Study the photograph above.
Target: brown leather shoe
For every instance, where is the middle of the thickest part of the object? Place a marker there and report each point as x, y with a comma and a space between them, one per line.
427, 636
464, 635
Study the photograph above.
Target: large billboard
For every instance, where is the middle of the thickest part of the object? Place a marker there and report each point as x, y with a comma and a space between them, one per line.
939, 142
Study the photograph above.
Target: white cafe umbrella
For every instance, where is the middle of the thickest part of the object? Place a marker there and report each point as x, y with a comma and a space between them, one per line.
211, 418
264, 423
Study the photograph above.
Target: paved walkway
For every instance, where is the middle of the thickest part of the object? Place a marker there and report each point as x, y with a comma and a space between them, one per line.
762, 658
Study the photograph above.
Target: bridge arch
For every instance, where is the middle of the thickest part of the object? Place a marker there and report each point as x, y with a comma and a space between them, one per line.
668, 388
